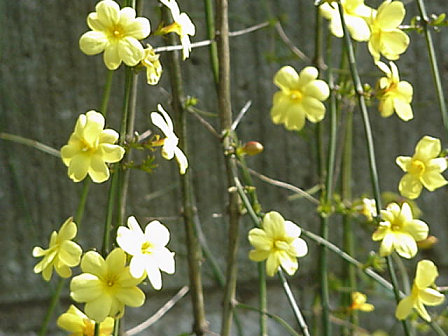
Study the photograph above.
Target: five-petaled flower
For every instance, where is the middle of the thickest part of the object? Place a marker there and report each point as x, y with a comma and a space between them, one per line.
368, 208
148, 251
90, 147
399, 231
106, 286
163, 121
386, 38
62, 254
152, 64
423, 292
182, 26
76, 322
117, 33
299, 97
394, 95
424, 168
277, 241
359, 302
355, 15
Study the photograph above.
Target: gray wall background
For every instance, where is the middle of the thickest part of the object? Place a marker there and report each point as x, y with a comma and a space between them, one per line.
46, 82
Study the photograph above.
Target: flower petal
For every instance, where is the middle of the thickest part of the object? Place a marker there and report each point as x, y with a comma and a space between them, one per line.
99, 308
93, 42
157, 234
403, 109
92, 262
272, 264
425, 274
111, 56
273, 224
259, 255
85, 287
259, 240
410, 186
317, 89
405, 245
390, 15
98, 170
286, 78
130, 51
132, 297
111, 153
404, 308
314, 109
403, 162
70, 253
427, 148
79, 166
433, 180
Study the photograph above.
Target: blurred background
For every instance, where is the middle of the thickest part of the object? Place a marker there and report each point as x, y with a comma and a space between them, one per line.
46, 82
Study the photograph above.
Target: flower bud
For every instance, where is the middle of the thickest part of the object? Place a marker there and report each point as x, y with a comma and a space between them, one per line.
252, 148
427, 243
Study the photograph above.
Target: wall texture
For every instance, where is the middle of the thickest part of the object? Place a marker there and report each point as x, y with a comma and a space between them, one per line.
46, 82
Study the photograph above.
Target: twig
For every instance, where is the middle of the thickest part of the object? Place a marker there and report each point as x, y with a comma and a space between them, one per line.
158, 314
204, 122
284, 185
240, 116
205, 43
291, 45
29, 142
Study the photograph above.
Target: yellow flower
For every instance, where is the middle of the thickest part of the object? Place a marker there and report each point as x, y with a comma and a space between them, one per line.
169, 150
359, 302
393, 93
76, 322
152, 64
300, 97
277, 241
422, 169
90, 148
423, 292
117, 33
355, 15
62, 253
148, 251
386, 38
399, 231
369, 208
182, 26
106, 286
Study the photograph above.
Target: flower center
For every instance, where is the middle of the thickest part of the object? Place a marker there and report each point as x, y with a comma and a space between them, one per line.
396, 226
117, 32
296, 95
281, 245
417, 167
146, 247
89, 327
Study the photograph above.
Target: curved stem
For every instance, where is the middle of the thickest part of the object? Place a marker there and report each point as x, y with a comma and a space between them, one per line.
433, 61
50, 310
106, 94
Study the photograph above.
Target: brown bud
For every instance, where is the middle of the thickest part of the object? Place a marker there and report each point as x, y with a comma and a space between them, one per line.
427, 243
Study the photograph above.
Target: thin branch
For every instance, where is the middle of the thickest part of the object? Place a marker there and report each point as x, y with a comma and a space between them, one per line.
240, 116
289, 43
284, 185
158, 314
208, 42
204, 122
29, 142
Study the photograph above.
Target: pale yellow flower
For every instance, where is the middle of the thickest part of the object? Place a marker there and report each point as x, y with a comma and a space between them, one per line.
386, 38
78, 324
359, 302
299, 97
423, 292
90, 147
355, 14
148, 251
106, 286
117, 33
277, 241
368, 208
394, 95
182, 26
423, 169
62, 254
399, 231
152, 64
163, 121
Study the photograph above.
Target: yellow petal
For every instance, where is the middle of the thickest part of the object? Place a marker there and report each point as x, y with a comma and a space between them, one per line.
427, 148
259, 239
403, 109
286, 78
272, 264
93, 42
99, 308
421, 310
132, 297
405, 245
393, 43
294, 118
288, 263
431, 297
273, 224
314, 109
410, 187
307, 75
130, 51
425, 274
98, 170
417, 229
390, 15
403, 162
386, 107
85, 287
437, 164
317, 89
433, 180
108, 136
108, 12
92, 262
358, 28
111, 56
387, 245
70, 321
404, 308
79, 165
68, 230
258, 255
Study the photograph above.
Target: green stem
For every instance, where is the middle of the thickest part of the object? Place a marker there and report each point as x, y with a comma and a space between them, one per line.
54, 302
116, 330
225, 114
82, 202
209, 19
433, 61
106, 92
348, 241
326, 204
194, 254
97, 329
276, 318
370, 147
29, 142
263, 304
295, 308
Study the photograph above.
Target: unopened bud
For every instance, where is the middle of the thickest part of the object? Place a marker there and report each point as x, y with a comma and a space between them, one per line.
427, 243
252, 148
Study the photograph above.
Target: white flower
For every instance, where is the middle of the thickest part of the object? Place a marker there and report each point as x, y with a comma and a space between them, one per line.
147, 249
169, 150
182, 26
